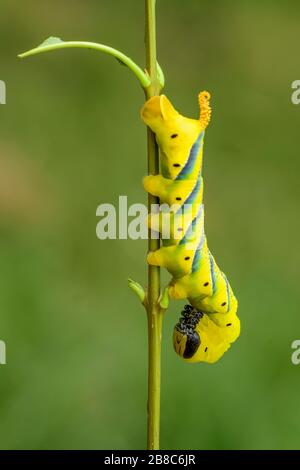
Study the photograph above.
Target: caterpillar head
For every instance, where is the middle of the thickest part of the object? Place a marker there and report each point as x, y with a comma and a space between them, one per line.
186, 339
197, 339
175, 134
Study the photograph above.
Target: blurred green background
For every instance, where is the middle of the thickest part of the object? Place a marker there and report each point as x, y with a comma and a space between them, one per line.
71, 139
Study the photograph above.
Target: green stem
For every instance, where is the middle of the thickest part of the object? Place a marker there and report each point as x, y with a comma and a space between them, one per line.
139, 73
152, 82
155, 313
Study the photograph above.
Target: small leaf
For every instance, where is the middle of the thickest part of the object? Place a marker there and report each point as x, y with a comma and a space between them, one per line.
137, 289
50, 41
160, 76
164, 299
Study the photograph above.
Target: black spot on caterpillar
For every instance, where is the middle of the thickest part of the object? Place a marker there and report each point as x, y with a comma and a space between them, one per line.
223, 304
229, 324
178, 199
206, 284
176, 165
206, 349
173, 136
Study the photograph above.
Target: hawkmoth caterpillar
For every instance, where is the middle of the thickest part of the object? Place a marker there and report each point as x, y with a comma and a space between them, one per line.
209, 324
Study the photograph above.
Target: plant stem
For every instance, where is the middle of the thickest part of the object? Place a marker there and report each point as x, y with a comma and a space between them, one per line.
124, 59
152, 82
154, 312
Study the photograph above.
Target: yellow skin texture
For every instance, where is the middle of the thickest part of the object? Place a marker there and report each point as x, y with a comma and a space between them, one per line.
205, 286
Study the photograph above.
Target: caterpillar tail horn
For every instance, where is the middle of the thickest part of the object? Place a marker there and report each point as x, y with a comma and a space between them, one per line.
205, 108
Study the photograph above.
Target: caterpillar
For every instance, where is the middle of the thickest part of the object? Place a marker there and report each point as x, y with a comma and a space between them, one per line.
209, 323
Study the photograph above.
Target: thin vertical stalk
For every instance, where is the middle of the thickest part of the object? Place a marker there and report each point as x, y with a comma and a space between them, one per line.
151, 81
154, 312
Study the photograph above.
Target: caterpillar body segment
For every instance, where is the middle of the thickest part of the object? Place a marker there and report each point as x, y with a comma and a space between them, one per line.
180, 226
209, 324
180, 139
221, 301
171, 192
197, 284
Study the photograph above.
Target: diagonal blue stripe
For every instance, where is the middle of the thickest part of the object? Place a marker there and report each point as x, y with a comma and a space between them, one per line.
191, 228
191, 198
197, 255
188, 167
212, 272
228, 292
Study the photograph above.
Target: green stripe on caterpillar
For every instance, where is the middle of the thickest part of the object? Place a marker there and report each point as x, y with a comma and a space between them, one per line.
185, 254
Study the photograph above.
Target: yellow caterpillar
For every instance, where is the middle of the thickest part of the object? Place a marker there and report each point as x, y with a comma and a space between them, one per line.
209, 324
